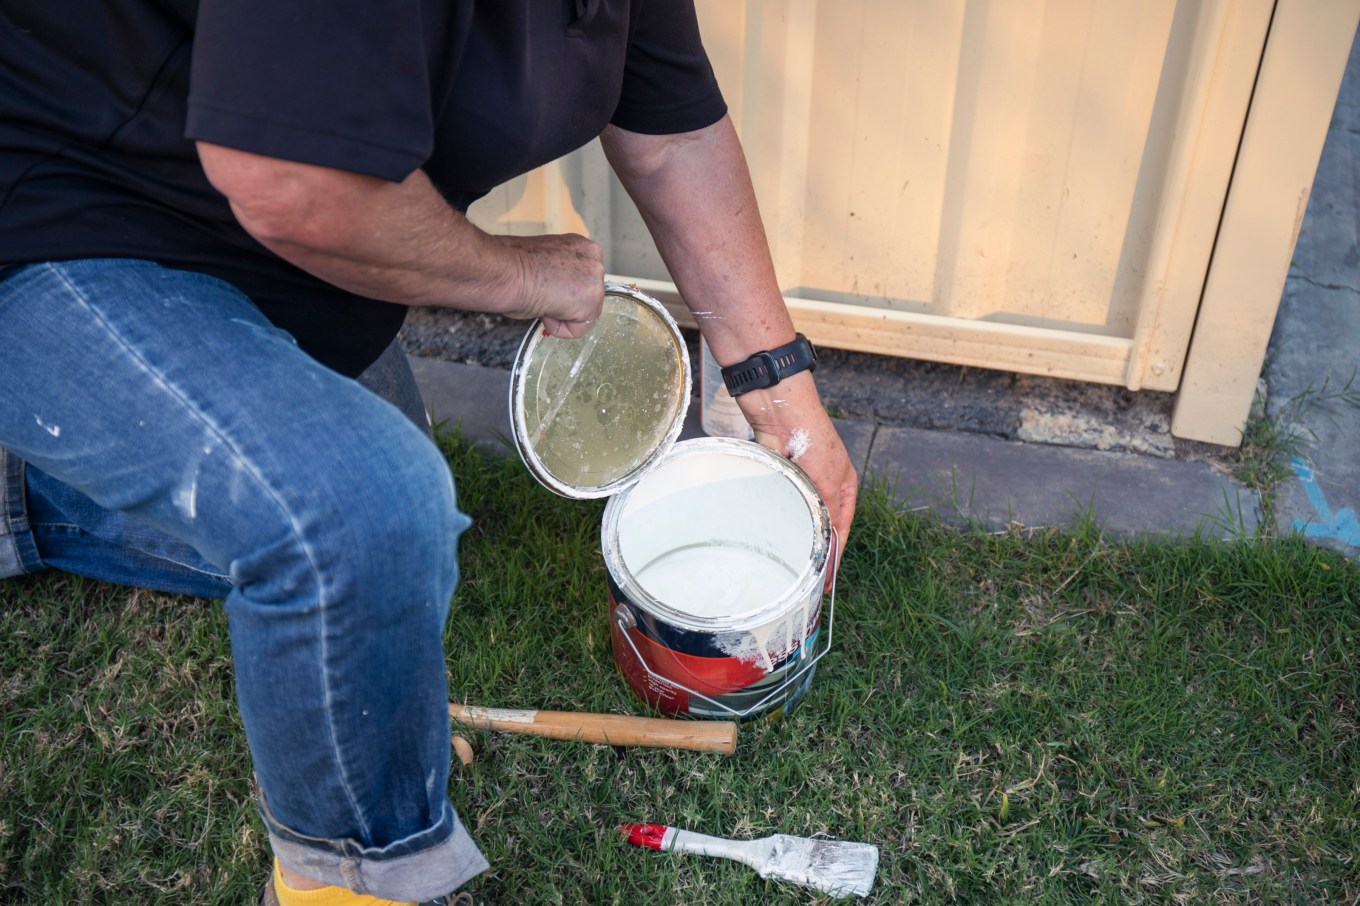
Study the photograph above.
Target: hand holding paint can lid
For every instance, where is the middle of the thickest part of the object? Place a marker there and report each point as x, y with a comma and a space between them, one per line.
592, 415
716, 549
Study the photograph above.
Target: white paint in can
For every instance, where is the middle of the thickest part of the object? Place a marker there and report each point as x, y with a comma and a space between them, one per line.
715, 580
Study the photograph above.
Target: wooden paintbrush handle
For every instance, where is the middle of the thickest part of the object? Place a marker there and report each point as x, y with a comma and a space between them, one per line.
605, 729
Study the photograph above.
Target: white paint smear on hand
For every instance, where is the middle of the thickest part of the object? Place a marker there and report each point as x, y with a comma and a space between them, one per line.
799, 441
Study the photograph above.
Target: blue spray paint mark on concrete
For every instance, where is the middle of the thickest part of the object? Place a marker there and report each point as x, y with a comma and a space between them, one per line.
1341, 526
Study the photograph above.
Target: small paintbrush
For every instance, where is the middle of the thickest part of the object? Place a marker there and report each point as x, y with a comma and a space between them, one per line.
834, 867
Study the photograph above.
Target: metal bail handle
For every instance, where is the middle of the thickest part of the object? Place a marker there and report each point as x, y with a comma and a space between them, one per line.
626, 621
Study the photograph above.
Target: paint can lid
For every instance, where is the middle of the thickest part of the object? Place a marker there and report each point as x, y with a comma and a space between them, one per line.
593, 415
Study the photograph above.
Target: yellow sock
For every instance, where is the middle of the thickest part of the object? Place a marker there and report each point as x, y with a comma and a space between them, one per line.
323, 896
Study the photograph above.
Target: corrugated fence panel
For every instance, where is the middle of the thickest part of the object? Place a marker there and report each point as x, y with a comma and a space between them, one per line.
1025, 184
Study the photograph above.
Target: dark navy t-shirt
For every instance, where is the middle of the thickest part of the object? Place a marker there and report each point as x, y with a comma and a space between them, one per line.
100, 101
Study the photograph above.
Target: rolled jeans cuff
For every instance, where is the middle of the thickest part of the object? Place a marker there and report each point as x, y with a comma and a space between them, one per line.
18, 550
424, 866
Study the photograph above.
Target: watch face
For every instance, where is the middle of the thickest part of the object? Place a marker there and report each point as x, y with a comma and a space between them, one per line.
593, 414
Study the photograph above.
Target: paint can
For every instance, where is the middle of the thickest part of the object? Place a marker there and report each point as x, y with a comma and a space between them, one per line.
717, 560
715, 549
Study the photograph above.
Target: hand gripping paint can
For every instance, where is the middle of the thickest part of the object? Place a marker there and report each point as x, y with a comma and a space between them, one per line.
715, 549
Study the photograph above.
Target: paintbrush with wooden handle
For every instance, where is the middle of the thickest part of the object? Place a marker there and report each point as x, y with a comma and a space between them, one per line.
605, 729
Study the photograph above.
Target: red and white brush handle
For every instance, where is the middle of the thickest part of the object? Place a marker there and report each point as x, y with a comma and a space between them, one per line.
671, 839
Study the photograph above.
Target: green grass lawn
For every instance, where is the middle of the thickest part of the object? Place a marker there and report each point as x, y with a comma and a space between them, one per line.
1031, 717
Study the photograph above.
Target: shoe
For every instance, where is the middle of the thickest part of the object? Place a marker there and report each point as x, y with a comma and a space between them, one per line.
462, 898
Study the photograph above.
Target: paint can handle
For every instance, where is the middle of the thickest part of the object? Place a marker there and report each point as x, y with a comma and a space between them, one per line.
626, 621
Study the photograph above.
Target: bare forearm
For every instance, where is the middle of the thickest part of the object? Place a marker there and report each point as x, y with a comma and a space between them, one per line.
404, 249
695, 194
401, 242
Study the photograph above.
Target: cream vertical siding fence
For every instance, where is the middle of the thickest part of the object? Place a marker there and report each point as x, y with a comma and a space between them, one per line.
1100, 190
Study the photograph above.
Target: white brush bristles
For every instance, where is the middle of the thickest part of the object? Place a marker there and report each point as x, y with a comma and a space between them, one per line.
835, 867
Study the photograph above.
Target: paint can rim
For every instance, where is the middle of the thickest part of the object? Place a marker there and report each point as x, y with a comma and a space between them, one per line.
671, 423
805, 586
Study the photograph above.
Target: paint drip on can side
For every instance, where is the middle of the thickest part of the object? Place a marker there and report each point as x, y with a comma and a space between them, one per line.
716, 563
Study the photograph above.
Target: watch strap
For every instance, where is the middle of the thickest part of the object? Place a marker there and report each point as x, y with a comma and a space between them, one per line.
765, 369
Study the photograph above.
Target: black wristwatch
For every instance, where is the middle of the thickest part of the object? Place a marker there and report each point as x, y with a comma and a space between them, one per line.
765, 369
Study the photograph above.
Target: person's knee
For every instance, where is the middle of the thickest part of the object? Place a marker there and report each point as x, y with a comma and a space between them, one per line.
415, 524
372, 517
395, 513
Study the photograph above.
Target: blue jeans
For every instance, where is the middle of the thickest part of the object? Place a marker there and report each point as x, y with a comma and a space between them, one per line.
160, 432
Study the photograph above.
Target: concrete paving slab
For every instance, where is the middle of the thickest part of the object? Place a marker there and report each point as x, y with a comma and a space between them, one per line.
987, 481
1313, 358
470, 395
858, 437
1313, 348
967, 478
